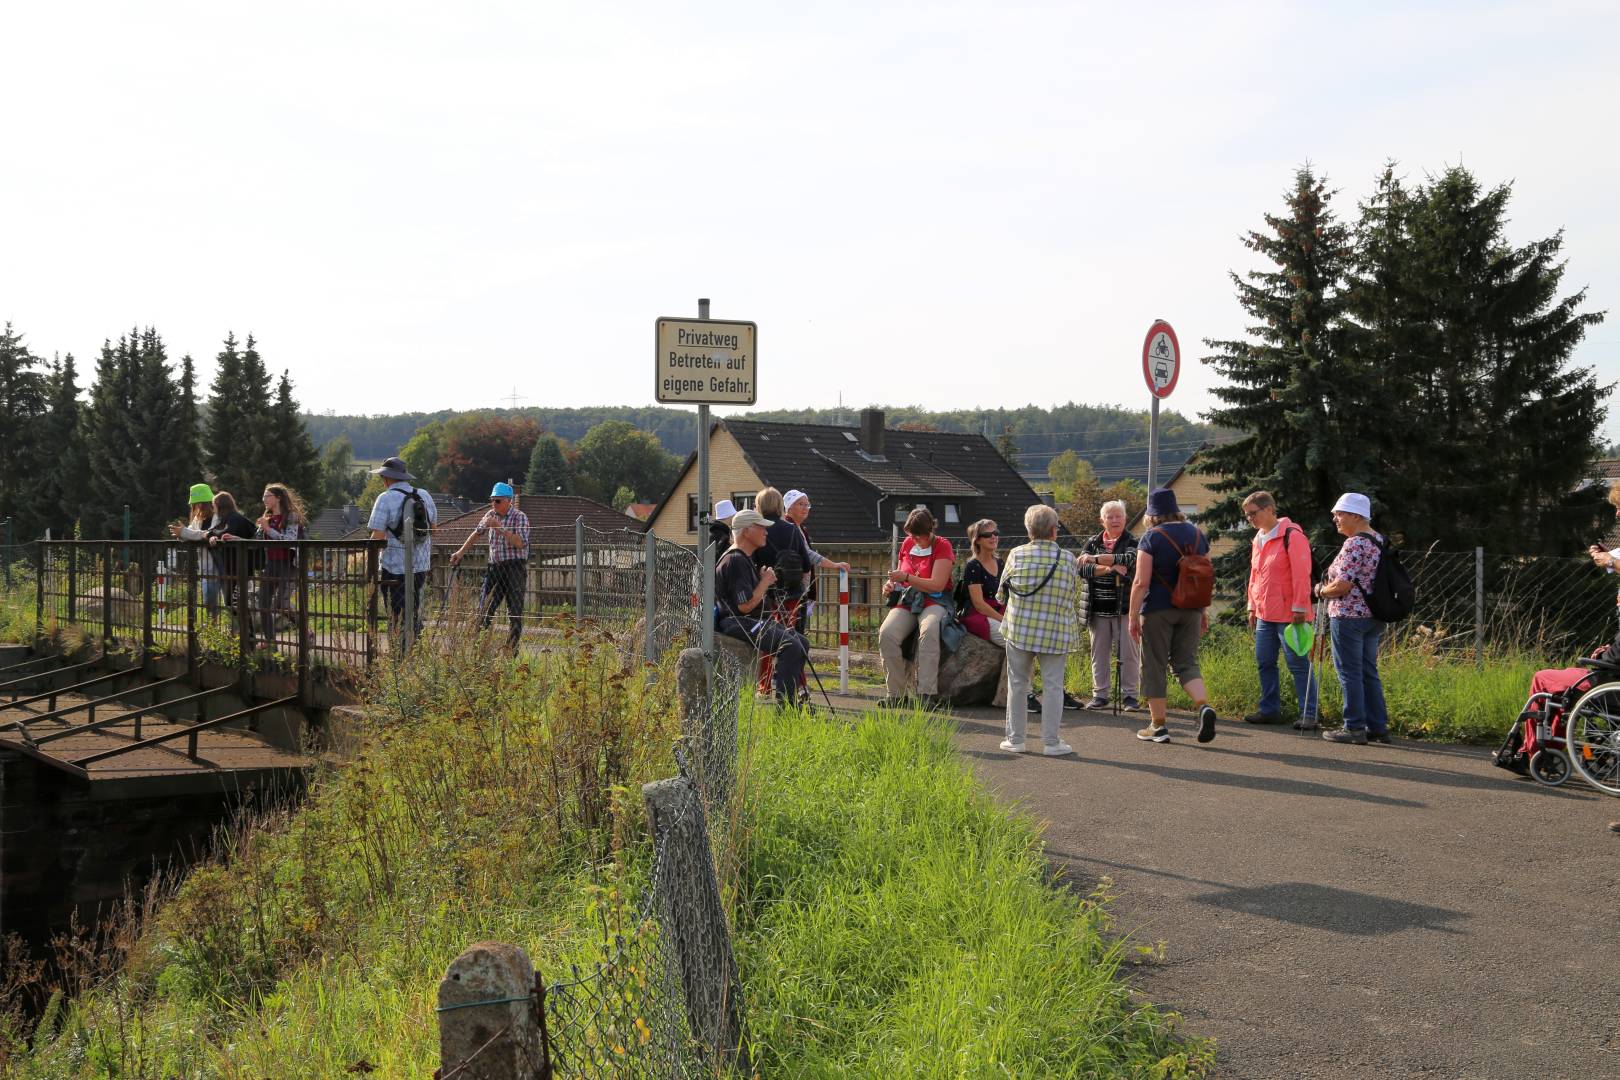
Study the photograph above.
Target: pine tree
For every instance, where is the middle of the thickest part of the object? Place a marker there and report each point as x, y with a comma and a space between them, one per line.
291, 456
260, 453
1476, 344
224, 446
1007, 446
23, 453
1291, 391
112, 442
548, 469
67, 468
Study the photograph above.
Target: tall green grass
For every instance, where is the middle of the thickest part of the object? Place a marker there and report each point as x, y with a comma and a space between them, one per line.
1429, 696
896, 922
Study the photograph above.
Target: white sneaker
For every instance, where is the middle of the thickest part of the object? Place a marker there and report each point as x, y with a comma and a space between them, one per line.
1057, 749
1012, 747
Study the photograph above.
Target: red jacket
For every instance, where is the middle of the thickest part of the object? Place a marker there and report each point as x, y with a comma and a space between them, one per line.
1279, 578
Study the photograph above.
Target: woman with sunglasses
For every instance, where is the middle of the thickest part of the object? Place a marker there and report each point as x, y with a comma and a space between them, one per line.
981, 615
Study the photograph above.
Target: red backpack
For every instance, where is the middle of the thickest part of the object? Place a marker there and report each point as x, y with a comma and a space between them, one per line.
1195, 579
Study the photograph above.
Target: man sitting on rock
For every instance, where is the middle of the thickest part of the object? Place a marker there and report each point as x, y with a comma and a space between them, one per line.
739, 593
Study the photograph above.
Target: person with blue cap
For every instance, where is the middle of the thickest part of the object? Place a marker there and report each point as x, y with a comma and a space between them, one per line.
506, 529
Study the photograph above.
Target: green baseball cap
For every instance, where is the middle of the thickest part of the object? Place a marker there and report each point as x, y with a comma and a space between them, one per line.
1299, 637
201, 493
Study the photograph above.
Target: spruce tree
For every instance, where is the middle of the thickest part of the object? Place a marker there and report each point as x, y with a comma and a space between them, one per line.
67, 468
186, 439
261, 455
548, 469
224, 448
292, 458
112, 438
1292, 392
23, 453
1498, 429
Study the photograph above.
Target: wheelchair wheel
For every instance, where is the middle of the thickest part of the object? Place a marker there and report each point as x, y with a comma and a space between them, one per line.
1549, 767
1593, 737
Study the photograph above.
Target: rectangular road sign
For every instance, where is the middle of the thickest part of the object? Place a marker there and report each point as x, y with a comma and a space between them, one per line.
705, 362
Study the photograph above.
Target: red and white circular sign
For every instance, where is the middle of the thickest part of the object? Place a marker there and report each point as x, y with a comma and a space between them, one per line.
1161, 359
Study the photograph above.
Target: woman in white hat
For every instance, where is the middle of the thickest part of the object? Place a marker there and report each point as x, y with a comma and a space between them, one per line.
1354, 631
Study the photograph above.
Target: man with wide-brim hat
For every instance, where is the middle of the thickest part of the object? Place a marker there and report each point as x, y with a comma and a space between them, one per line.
387, 523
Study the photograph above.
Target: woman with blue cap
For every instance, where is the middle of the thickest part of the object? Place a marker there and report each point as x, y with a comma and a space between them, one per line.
1354, 631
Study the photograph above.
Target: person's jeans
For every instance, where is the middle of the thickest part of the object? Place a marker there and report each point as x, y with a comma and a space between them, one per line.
1020, 672
1355, 658
504, 581
1268, 642
786, 649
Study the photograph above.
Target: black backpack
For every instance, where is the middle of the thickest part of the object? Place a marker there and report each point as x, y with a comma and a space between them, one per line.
1392, 596
419, 517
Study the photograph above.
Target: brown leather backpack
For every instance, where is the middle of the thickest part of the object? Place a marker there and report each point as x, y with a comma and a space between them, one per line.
1195, 578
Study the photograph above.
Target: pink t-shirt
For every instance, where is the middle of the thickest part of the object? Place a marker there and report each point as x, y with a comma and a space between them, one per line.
922, 565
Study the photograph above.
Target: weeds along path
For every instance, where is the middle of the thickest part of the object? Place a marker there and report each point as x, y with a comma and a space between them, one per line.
1341, 911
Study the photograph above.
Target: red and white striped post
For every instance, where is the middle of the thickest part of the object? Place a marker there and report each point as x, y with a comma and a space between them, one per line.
843, 631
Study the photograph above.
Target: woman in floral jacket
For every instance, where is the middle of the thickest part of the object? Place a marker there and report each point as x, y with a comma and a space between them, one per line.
1354, 631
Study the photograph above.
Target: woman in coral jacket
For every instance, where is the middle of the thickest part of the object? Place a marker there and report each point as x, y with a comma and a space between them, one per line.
1279, 595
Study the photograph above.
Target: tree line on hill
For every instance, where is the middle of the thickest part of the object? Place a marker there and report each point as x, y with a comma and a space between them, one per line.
1114, 440
1418, 356
140, 438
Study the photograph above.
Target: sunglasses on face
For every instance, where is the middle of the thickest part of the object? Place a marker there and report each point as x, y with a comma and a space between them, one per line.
992, 533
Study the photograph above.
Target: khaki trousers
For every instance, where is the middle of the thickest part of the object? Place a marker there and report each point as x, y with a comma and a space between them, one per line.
897, 672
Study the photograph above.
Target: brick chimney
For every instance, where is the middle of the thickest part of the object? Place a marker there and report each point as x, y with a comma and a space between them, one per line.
872, 432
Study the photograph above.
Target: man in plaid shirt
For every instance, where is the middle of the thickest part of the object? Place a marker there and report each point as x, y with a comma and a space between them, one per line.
1041, 588
507, 530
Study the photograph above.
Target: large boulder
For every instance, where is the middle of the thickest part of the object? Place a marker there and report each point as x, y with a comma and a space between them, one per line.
969, 675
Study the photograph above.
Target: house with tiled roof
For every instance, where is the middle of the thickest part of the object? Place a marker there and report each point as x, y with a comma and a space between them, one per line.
863, 480
550, 513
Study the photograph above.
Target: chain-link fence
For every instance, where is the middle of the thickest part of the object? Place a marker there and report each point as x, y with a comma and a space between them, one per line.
572, 575
663, 998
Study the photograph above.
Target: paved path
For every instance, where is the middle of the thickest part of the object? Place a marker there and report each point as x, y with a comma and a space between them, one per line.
1342, 911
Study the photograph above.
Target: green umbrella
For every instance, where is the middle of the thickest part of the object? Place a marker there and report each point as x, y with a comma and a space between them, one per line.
1299, 637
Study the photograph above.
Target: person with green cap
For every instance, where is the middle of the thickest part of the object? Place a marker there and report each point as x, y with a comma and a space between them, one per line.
202, 518
1279, 598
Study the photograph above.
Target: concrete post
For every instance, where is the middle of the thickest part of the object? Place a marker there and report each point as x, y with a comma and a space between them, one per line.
489, 1016
710, 732
693, 921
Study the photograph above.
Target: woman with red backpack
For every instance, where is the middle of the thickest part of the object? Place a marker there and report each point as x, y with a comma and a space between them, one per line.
1169, 611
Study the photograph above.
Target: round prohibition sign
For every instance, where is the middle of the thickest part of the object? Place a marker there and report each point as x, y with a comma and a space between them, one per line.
1161, 359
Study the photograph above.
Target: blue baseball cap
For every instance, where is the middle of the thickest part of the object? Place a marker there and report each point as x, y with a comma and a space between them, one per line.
501, 491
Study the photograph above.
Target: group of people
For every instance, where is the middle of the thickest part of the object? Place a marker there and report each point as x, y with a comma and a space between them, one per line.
1143, 602
765, 585
214, 521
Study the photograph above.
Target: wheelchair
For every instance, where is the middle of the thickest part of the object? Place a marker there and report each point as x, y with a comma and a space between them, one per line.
1571, 731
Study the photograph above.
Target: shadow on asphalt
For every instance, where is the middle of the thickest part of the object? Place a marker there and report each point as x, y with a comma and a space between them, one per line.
1278, 785
1303, 903
1421, 774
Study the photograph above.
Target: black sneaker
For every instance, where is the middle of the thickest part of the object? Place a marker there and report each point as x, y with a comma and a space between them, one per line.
1355, 737
1380, 737
1072, 703
1263, 718
1303, 724
1034, 705
1097, 702
1130, 704
1206, 724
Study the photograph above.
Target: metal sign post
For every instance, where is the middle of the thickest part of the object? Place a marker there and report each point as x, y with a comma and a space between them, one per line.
705, 362
1161, 367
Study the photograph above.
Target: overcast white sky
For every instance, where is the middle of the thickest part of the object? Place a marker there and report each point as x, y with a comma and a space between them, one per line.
420, 206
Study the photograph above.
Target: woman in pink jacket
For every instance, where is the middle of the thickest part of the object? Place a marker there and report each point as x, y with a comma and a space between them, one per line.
1279, 595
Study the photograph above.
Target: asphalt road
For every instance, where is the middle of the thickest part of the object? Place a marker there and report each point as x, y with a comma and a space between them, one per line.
1341, 911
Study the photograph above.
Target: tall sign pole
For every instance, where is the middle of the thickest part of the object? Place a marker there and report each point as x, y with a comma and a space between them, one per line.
1161, 367
705, 362
705, 546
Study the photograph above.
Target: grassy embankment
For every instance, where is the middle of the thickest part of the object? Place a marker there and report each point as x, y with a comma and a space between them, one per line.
891, 919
